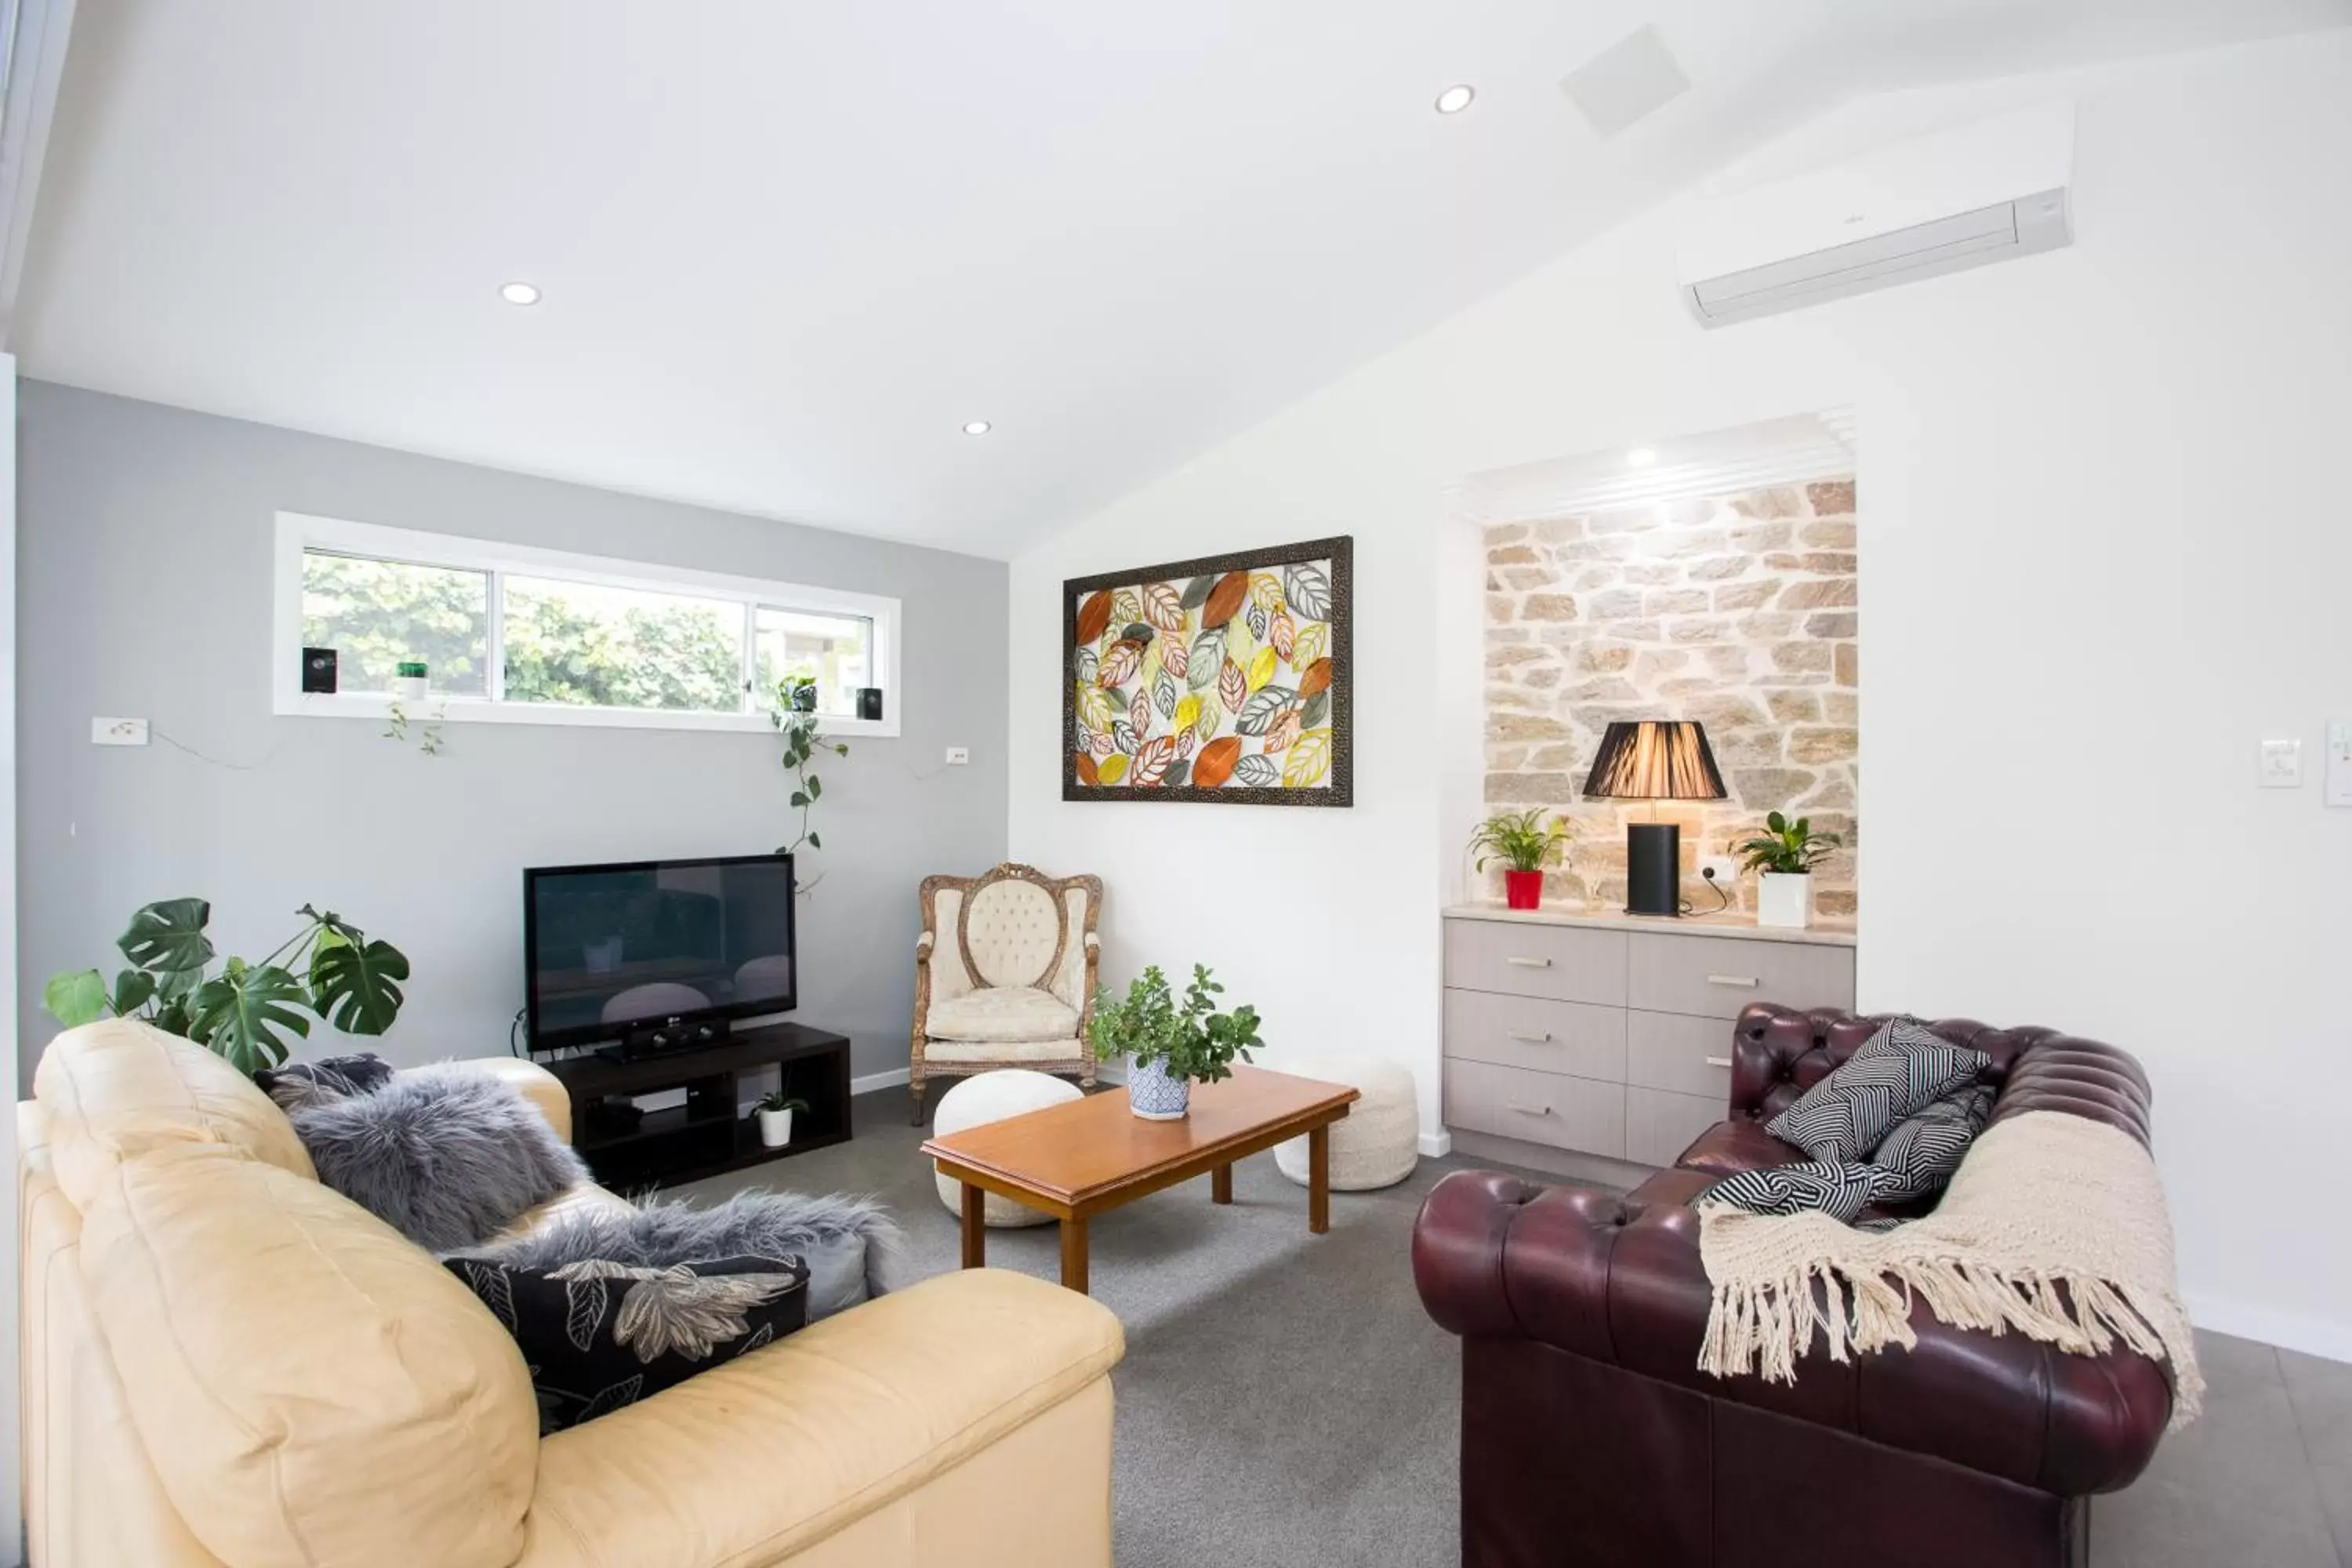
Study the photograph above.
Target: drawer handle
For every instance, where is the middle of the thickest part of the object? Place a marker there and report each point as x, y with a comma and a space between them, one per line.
1747, 980
1530, 1109
1524, 963
1718, 1061
1527, 1039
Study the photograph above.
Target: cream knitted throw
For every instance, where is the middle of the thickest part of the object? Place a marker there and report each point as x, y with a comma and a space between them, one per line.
2042, 1200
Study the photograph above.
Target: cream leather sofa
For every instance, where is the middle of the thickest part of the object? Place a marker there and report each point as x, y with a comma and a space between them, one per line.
227, 1364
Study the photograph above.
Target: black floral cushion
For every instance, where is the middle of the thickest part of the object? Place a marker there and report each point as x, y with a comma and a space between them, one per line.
1897, 1071
599, 1335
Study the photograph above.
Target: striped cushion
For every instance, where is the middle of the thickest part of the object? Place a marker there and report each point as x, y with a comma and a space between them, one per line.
1897, 1072
1819, 1186
1918, 1157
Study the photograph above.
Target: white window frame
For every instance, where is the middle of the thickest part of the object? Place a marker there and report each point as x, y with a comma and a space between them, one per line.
299, 533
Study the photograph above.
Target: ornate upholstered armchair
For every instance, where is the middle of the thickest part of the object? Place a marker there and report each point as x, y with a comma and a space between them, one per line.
1005, 976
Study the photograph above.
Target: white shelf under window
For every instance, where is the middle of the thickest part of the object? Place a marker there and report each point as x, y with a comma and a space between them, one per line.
476, 711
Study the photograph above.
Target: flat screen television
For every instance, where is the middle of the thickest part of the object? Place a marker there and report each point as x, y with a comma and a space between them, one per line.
617, 952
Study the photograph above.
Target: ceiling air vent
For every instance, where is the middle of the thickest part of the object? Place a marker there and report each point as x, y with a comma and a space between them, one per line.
1962, 199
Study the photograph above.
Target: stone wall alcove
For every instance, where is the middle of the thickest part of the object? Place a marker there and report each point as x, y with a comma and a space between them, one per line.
1716, 582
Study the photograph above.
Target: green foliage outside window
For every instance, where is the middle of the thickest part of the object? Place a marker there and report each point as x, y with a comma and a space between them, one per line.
679, 655
563, 644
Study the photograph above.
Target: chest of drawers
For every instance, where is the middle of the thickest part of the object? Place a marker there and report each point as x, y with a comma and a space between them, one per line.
1607, 1037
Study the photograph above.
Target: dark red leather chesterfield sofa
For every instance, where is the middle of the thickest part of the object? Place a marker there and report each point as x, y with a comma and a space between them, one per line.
1590, 1437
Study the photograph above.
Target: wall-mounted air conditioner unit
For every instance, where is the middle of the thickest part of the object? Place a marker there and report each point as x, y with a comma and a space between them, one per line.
1959, 198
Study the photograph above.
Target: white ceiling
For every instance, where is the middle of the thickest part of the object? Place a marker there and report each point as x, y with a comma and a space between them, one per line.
788, 248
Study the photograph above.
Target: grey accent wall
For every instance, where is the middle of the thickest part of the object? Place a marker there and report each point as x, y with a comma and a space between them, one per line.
145, 592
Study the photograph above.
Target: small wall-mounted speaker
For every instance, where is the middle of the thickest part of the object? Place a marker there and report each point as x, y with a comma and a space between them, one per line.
870, 702
319, 670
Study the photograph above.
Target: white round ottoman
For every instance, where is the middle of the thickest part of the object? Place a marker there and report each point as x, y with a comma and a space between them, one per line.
1378, 1142
991, 1097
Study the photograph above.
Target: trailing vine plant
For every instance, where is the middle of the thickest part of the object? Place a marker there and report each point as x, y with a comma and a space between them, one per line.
429, 738
797, 719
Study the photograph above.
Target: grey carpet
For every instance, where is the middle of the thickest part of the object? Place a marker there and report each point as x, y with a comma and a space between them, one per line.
1285, 1400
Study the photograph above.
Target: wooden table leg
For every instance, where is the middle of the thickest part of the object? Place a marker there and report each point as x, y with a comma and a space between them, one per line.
1319, 1178
1074, 1255
1221, 1184
975, 1228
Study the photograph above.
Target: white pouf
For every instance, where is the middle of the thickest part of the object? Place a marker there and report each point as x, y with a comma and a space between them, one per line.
991, 1097
1378, 1142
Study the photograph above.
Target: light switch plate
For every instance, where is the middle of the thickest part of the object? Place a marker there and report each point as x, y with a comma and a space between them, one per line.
959, 755
2339, 762
2281, 765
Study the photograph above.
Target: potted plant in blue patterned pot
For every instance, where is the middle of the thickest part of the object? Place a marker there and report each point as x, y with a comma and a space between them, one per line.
1169, 1047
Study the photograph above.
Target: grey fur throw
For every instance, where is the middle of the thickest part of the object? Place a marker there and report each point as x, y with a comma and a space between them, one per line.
854, 1249
299, 1084
445, 1155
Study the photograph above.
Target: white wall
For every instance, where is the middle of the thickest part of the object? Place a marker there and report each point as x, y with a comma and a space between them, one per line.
2104, 556
12, 1513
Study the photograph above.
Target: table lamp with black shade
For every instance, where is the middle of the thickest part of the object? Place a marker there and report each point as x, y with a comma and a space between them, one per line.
1655, 759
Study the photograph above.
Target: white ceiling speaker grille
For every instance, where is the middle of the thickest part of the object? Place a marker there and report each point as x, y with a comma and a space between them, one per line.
1629, 80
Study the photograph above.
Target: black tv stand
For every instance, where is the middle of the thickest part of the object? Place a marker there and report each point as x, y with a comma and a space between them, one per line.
706, 1136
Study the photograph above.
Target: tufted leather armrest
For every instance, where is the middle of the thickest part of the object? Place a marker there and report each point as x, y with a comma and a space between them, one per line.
1619, 1281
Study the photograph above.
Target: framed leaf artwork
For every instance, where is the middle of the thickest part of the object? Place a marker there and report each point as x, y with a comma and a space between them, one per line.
1226, 678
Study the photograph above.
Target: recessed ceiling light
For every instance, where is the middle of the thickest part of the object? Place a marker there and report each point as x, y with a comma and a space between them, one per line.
1640, 457
1454, 100
518, 293
977, 427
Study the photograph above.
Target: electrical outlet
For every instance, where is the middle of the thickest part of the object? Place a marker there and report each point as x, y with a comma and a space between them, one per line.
118, 732
1720, 869
959, 755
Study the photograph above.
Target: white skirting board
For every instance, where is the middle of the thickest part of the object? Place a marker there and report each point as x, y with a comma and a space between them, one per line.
2250, 1320
874, 1080
1437, 1146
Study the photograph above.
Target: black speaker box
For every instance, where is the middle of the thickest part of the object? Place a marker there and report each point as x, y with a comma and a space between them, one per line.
319, 670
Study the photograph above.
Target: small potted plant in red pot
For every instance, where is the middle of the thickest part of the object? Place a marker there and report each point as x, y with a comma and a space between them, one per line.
1525, 842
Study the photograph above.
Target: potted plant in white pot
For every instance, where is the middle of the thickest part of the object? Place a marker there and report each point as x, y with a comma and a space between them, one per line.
1171, 1048
1783, 857
776, 1110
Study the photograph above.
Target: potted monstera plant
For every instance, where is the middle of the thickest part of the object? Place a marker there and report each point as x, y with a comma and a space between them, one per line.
329, 969
1169, 1047
1783, 857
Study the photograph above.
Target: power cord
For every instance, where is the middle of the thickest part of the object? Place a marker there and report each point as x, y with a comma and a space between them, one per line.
202, 757
514, 1035
1720, 892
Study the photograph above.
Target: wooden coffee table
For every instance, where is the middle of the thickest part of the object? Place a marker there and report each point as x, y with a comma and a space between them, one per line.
1079, 1158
